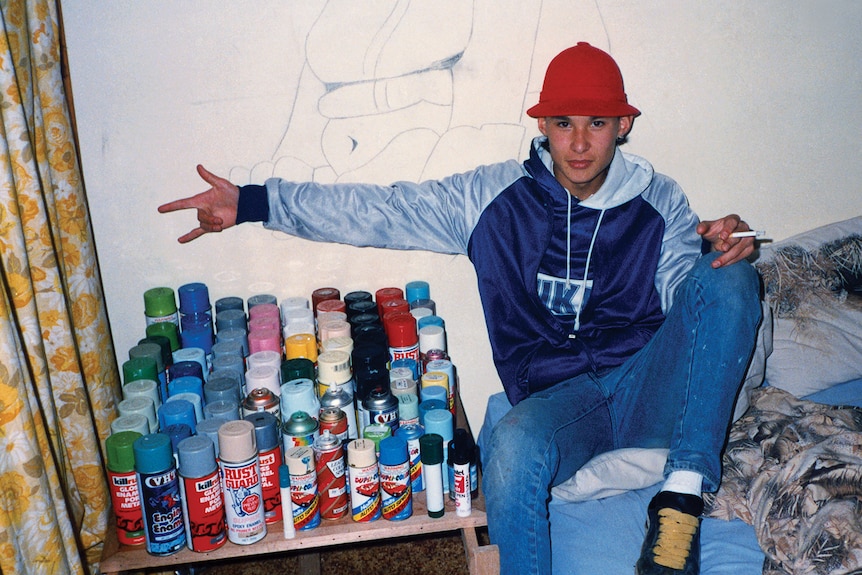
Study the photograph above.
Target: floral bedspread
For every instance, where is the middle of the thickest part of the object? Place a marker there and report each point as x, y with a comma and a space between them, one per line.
793, 469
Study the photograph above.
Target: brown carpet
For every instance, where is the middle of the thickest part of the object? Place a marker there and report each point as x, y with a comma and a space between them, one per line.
441, 554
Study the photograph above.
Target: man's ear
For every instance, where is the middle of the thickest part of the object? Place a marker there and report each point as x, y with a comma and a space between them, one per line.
626, 125
543, 126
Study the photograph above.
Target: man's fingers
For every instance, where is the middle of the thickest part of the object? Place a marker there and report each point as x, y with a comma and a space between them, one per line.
192, 235
175, 205
209, 177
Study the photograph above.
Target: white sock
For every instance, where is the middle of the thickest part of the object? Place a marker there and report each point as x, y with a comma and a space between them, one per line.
684, 481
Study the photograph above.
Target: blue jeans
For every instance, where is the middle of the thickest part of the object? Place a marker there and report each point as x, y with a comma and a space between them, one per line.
677, 392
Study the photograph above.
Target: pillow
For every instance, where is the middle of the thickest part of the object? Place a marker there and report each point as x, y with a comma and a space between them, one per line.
813, 283
756, 372
612, 473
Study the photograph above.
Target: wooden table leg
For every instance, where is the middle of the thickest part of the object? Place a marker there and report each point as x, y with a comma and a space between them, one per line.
309, 563
481, 559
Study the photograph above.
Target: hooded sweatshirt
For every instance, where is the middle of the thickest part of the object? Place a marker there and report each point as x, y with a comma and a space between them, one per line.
567, 287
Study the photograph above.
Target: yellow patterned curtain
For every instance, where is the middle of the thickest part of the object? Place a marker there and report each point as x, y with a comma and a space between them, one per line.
58, 377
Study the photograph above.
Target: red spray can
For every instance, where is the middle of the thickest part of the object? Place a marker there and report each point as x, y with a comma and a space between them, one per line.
331, 479
269, 447
123, 484
200, 485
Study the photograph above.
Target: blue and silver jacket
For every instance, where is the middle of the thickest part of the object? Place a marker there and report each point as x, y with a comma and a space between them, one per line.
629, 245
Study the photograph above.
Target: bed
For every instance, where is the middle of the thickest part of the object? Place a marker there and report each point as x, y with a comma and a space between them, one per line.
791, 494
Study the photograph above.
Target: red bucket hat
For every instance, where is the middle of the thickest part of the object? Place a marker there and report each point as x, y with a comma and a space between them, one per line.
583, 81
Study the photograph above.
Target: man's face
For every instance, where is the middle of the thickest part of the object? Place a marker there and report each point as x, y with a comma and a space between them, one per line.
582, 148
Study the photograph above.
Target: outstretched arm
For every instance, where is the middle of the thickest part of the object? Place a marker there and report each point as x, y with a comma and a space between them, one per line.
717, 232
216, 207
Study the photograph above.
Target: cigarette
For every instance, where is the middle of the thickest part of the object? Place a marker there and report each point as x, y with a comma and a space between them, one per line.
749, 234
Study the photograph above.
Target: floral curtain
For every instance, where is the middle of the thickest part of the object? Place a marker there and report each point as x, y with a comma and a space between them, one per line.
58, 377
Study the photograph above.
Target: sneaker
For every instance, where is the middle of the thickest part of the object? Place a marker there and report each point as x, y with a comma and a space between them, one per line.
672, 543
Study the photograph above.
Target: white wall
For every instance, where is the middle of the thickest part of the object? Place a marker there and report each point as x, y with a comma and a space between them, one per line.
753, 106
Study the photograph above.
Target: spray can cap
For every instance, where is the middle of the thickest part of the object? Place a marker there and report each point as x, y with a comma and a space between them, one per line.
164, 344
236, 441
159, 302
431, 449
120, 451
196, 456
194, 298
149, 349
416, 290
166, 329
393, 450
177, 432
266, 431
143, 367
297, 368
153, 453
462, 448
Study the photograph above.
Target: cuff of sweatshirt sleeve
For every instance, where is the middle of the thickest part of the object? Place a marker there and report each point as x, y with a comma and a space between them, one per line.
253, 204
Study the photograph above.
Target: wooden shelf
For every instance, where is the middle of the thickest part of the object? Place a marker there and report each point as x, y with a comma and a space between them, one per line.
119, 558
481, 559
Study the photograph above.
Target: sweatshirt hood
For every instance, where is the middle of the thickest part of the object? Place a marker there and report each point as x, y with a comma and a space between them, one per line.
628, 177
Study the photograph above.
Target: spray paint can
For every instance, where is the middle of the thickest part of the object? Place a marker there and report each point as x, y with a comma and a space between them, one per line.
364, 481
241, 483
334, 420
159, 486
444, 366
381, 407
260, 399
341, 397
396, 495
160, 306
331, 480
377, 432
303, 487
269, 448
123, 484
333, 367
203, 506
299, 429
411, 434
403, 337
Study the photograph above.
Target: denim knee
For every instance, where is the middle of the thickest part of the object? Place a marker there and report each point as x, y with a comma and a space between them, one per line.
513, 442
736, 288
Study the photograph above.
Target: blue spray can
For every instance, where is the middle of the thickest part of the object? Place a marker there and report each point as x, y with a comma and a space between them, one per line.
396, 498
161, 502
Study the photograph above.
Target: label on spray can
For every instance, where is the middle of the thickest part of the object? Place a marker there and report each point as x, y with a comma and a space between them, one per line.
241, 482
303, 487
461, 488
299, 429
268, 439
331, 480
162, 512
381, 407
203, 505
126, 501
364, 480
161, 502
269, 464
204, 512
244, 501
411, 434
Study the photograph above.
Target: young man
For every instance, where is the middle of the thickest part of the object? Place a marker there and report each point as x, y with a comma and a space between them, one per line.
617, 331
